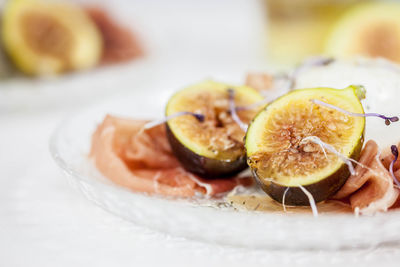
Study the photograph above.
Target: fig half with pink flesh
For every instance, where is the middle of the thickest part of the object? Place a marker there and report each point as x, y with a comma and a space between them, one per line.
212, 147
282, 148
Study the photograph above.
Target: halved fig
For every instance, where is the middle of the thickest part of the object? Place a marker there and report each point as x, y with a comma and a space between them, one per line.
44, 38
213, 147
371, 29
280, 150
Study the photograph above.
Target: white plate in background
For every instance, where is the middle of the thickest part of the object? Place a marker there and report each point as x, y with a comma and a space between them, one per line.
196, 38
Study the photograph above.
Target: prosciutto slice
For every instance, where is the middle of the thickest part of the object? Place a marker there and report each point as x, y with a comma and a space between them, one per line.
260, 81
371, 189
142, 161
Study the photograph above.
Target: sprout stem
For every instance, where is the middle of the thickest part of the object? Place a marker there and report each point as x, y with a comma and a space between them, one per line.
232, 110
283, 198
311, 200
388, 120
308, 194
330, 148
395, 153
307, 64
291, 78
254, 105
151, 124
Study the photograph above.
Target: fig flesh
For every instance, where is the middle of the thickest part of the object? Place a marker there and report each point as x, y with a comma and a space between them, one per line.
213, 147
46, 38
280, 153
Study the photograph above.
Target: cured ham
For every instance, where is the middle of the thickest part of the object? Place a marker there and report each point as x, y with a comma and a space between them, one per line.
386, 158
142, 161
371, 188
260, 81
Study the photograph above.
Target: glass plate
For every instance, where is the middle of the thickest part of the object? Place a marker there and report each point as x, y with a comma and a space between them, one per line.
69, 147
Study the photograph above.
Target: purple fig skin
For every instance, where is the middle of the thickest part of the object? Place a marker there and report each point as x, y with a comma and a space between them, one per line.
320, 190
207, 168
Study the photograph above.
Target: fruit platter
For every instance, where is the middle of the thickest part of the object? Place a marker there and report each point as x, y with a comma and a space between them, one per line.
224, 157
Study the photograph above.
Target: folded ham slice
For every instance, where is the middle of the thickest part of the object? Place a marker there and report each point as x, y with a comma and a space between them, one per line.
142, 161
260, 81
371, 189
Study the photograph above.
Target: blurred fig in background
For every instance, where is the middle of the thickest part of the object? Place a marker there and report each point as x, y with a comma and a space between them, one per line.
339, 28
120, 44
47, 37
6, 69
371, 29
297, 28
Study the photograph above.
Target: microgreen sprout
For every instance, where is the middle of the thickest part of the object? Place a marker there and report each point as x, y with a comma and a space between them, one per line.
284, 198
307, 64
151, 124
311, 200
232, 110
254, 105
388, 120
310, 197
287, 82
395, 153
330, 148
